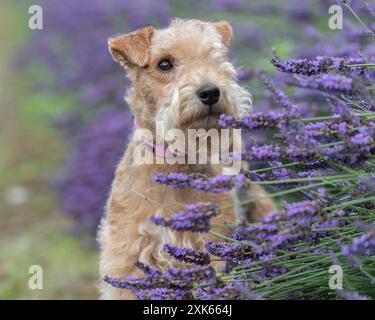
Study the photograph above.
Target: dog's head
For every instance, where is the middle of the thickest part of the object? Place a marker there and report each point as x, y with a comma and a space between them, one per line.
181, 75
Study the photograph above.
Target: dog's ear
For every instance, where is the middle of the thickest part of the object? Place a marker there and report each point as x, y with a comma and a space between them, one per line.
132, 48
225, 30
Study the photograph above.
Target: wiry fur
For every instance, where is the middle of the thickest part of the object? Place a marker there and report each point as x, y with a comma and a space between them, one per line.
199, 53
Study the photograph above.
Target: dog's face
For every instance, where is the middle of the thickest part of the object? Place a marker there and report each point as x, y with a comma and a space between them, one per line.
181, 75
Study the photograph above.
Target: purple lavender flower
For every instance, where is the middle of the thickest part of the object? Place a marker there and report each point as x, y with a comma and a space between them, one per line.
217, 184
297, 211
317, 129
255, 233
367, 183
327, 82
363, 245
367, 105
190, 275
175, 283
280, 95
364, 139
350, 295
148, 270
283, 239
227, 291
227, 251
265, 152
341, 127
194, 217
318, 65
259, 120
187, 255
177, 180
303, 66
198, 182
135, 283
164, 294
280, 229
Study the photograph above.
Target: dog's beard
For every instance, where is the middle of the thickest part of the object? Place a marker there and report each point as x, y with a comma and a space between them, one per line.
185, 111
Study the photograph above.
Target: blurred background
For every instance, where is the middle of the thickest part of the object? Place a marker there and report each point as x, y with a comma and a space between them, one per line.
64, 124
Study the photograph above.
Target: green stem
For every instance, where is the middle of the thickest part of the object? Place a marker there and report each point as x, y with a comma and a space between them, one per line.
345, 204
302, 179
229, 239
365, 114
159, 205
281, 193
274, 167
367, 65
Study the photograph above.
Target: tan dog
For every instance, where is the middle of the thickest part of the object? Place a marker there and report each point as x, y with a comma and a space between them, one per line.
181, 76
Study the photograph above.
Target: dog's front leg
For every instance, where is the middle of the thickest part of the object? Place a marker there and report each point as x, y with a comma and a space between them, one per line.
117, 258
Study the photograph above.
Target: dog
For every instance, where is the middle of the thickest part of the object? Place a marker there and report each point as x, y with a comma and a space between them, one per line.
181, 77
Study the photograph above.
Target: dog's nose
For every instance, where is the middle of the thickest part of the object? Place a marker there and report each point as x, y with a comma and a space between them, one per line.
209, 94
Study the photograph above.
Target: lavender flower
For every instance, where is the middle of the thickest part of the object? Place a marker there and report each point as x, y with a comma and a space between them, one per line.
198, 182
190, 275
227, 251
177, 180
164, 294
216, 185
227, 291
174, 283
194, 217
187, 255
265, 152
317, 129
349, 295
327, 82
319, 65
297, 211
363, 245
260, 120
280, 95
364, 139
367, 183
135, 283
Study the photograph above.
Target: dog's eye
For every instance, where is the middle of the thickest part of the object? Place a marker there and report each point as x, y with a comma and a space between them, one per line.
165, 65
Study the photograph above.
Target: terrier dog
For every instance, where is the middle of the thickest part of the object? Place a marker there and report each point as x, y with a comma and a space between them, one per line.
181, 77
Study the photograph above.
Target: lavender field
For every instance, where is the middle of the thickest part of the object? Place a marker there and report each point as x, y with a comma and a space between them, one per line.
310, 142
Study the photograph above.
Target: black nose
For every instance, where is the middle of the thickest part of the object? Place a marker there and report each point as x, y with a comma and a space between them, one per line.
209, 94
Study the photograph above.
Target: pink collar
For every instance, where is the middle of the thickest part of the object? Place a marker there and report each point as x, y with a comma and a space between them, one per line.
157, 149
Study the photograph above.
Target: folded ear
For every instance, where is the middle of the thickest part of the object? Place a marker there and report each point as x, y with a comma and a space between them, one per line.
225, 30
132, 48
